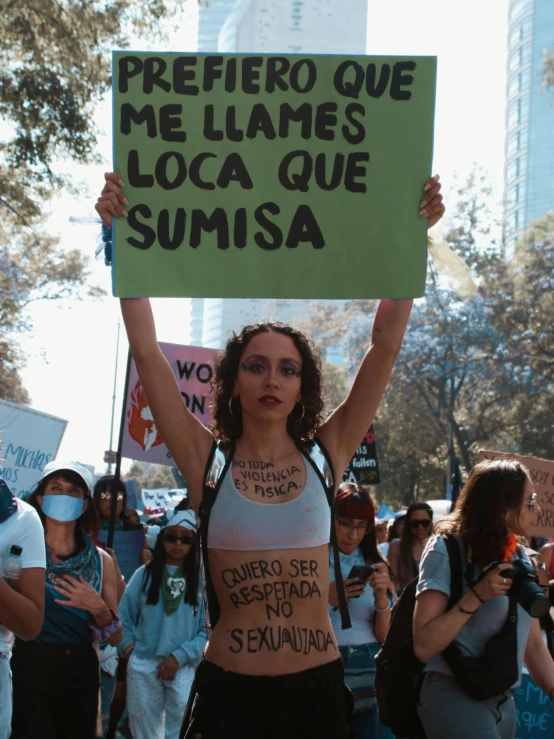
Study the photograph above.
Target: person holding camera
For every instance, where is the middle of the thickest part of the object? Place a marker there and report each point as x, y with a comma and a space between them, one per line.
474, 648
367, 585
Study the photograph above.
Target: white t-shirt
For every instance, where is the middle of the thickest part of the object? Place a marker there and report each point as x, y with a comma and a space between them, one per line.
23, 528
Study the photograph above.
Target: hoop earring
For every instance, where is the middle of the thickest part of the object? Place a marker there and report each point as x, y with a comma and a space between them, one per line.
231, 406
297, 420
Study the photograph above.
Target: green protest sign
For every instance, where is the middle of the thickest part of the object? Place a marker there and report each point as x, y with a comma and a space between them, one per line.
272, 176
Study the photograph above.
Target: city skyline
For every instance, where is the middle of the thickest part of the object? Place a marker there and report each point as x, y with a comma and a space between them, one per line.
261, 26
71, 349
529, 149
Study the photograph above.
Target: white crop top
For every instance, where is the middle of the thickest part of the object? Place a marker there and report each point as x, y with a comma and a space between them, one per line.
240, 524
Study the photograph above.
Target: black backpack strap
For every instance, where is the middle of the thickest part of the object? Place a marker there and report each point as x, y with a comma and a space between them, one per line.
216, 468
317, 455
456, 569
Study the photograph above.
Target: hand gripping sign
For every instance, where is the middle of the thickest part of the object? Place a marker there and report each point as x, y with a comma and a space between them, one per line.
272, 176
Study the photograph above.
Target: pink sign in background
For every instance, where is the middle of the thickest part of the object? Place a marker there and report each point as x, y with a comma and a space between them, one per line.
193, 369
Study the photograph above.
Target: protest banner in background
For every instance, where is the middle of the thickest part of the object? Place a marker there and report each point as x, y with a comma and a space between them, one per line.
156, 502
535, 716
363, 468
29, 439
542, 475
272, 176
193, 369
127, 546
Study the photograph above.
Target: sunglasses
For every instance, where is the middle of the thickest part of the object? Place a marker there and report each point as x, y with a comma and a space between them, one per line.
424, 524
108, 496
173, 538
532, 503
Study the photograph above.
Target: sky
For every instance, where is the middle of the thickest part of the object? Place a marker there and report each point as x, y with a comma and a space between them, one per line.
72, 347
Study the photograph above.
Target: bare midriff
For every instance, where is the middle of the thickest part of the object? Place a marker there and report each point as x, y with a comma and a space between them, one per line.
274, 617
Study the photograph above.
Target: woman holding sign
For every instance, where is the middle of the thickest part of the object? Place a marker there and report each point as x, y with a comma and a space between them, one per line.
272, 666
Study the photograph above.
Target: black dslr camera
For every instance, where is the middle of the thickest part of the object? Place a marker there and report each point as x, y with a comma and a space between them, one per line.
526, 588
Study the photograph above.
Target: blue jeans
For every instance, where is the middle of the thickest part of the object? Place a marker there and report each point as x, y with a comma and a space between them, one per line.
107, 690
366, 725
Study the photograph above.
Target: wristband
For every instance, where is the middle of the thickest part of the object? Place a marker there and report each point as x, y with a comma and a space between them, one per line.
476, 594
467, 613
382, 610
107, 631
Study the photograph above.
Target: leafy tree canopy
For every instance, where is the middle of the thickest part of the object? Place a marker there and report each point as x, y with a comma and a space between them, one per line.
478, 370
54, 67
150, 476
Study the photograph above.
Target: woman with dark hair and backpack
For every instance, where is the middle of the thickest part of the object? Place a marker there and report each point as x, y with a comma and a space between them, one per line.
368, 588
164, 628
405, 553
272, 666
474, 649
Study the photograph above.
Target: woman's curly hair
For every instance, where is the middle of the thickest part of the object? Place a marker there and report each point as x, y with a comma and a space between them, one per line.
228, 427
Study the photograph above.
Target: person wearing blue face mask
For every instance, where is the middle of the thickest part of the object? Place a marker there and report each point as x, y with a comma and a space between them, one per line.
56, 675
22, 598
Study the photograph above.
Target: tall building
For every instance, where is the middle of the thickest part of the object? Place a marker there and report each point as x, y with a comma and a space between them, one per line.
529, 163
272, 26
211, 18
296, 27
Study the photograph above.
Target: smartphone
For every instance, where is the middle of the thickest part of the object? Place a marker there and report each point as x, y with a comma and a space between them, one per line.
361, 572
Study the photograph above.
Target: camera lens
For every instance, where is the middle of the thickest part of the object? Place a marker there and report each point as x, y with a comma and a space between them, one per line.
526, 589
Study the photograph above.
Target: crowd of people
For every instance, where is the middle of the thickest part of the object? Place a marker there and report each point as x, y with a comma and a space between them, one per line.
72, 606
258, 607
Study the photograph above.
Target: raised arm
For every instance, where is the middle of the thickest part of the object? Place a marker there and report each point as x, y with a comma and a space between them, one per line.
348, 424
188, 441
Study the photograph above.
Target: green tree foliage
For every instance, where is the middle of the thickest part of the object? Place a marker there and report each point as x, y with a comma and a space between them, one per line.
525, 317
336, 385
480, 368
54, 67
150, 476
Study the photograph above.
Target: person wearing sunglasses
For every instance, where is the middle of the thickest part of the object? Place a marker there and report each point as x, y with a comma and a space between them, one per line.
112, 671
474, 650
367, 586
103, 490
405, 553
164, 629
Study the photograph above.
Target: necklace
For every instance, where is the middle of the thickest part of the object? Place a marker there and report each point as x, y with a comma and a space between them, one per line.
62, 555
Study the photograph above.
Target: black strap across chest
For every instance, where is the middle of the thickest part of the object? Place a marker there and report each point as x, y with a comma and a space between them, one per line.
219, 460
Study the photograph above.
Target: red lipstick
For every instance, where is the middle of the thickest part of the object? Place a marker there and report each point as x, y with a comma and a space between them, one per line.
270, 401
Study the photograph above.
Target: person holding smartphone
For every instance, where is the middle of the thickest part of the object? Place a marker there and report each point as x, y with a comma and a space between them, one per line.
368, 591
